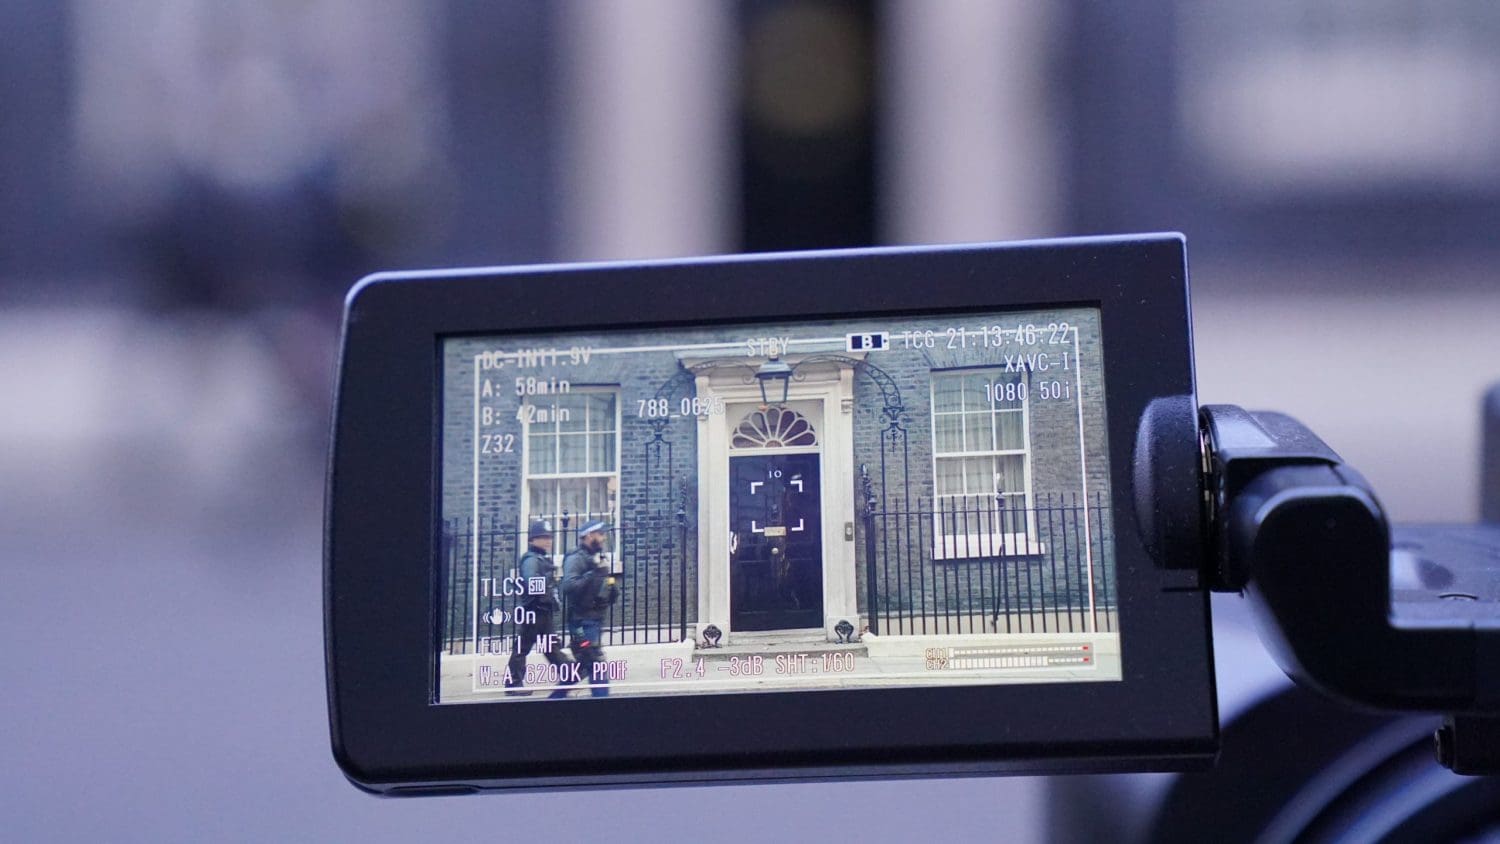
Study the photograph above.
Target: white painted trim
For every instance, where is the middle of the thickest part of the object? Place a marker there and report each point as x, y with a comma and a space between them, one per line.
836, 499
971, 545
1083, 472
526, 476
708, 610
772, 452
840, 590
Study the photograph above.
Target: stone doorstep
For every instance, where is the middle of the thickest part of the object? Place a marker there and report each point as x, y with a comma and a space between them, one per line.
771, 643
769, 646
876, 658
809, 641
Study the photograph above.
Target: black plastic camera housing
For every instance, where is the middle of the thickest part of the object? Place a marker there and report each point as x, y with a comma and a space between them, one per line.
382, 581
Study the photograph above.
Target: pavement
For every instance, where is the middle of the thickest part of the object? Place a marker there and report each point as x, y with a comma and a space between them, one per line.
780, 663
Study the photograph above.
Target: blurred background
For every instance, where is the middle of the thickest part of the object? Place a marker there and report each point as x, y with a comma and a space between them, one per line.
188, 187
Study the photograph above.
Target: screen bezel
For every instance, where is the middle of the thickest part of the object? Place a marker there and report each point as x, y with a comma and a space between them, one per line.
383, 508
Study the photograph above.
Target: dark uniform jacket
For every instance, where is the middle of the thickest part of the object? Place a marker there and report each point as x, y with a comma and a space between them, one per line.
536, 564
583, 584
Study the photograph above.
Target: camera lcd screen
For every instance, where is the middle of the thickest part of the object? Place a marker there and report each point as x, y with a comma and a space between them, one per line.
907, 501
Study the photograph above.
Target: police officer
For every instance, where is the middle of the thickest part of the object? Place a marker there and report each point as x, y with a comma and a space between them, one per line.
536, 564
589, 590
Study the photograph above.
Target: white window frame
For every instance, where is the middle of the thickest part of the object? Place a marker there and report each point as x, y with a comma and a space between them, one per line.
611, 556
978, 542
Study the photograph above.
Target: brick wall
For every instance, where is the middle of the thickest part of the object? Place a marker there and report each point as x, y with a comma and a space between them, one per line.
903, 481
658, 476
657, 471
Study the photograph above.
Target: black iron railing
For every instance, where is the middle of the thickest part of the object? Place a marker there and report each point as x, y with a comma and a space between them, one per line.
651, 561
950, 566
980, 566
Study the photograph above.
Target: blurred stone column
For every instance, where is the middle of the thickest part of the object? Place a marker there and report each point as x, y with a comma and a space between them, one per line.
646, 97
971, 150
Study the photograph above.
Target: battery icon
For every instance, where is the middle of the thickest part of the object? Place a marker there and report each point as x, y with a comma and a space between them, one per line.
872, 342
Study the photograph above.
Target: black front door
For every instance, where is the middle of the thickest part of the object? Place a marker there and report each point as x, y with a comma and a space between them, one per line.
775, 542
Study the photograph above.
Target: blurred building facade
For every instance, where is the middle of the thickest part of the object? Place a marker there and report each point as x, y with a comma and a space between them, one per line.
188, 187
189, 147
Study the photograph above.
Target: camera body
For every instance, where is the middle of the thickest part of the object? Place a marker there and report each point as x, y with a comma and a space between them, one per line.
886, 512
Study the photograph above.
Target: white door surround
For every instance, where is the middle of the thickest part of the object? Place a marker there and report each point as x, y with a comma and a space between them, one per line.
824, 393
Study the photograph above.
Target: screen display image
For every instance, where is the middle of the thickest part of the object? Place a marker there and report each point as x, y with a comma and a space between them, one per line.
889, 502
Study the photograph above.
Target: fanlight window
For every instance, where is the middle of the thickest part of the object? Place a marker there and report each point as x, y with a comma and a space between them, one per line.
774, 427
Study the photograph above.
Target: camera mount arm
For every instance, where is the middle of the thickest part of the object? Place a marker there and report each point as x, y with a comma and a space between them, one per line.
1405, 619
